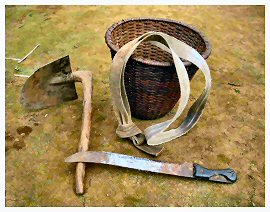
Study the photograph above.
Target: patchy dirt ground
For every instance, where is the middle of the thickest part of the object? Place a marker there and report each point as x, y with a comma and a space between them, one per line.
229, 134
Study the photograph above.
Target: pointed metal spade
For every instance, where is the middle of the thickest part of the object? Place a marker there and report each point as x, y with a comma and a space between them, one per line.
54, 83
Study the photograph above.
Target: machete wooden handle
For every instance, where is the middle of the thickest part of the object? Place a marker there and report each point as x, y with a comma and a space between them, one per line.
86, 78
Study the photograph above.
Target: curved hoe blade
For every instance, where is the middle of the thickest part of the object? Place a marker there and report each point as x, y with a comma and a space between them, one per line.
39, 93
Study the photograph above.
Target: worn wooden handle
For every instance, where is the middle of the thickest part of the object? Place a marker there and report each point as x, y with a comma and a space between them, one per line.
86, 78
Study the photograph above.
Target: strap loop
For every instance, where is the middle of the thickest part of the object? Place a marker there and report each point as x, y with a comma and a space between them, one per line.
127, 130
157, 134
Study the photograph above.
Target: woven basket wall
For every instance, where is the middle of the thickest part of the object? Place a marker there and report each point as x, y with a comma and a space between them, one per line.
150, 77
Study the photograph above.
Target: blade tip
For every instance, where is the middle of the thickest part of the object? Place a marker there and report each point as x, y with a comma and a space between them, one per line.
68, 160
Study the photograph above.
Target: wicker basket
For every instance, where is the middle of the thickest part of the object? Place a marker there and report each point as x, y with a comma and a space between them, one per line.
150, 77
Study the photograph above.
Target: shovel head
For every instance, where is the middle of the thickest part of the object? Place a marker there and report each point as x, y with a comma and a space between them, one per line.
39, 93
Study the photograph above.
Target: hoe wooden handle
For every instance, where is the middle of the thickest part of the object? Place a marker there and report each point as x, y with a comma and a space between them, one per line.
86, 78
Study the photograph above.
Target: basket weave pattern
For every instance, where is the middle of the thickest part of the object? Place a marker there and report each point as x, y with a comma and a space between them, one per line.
150, 77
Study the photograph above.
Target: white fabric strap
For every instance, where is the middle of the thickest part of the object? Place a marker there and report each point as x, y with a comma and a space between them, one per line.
158, 133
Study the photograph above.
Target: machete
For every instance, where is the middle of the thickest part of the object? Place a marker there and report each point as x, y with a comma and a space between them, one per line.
190, 170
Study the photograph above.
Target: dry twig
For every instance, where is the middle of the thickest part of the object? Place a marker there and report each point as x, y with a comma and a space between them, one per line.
21, 60
28, 54
21, 75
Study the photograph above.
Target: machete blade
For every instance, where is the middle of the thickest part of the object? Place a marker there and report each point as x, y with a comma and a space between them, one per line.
144, 164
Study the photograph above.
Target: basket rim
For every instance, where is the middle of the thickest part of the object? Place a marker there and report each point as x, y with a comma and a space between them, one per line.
110, 44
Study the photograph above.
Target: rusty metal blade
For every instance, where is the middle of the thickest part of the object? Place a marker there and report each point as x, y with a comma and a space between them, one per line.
38, 92
115, 159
